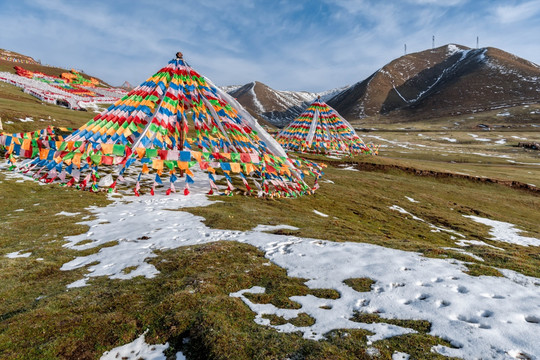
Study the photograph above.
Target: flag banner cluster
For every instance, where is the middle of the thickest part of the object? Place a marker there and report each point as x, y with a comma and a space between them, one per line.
71, 87
320, 129
19, 60
146, 131
73, 77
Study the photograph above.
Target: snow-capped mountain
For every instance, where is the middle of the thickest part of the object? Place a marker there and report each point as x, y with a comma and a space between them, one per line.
126, 85
275, 106
230, 88
451, 79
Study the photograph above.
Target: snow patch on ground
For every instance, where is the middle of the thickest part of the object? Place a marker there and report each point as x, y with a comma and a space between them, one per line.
411, 199
466, 243
327, 319
17, 254
26, 119
452, 49
65, 213
479, 138
393, 142
434, 227
270, 228
350, 168
505, 232
461, 251
400, 356
90, 106
495, 156
483, 317
320, 213
523, 163
449, 139
139, 349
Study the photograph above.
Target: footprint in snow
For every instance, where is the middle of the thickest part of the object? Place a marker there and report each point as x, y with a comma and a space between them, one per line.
532, 319
443, 303
486, 313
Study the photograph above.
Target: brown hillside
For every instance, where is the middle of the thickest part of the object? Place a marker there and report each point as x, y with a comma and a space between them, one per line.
274, 106
447, 80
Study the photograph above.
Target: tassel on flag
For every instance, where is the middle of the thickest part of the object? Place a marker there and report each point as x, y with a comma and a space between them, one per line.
137, 188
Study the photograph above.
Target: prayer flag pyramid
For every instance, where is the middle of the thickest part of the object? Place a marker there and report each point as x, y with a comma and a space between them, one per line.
149, 126
321, 129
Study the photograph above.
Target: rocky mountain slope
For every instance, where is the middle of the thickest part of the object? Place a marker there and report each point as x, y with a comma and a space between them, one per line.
274, 106
448, 80
127, 86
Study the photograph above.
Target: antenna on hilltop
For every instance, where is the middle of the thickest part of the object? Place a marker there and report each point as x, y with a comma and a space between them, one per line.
477, 42
433, 42
405, 49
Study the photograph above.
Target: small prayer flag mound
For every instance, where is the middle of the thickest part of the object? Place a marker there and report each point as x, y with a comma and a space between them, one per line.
320, 129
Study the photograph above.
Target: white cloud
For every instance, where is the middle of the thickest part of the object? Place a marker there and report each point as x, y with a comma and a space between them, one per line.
289, 45
444, 3
514, 13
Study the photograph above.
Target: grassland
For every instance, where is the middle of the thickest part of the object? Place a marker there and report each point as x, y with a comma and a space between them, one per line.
16, 105
188, 304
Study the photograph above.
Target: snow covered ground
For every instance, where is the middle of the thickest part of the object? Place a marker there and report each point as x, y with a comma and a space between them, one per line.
139, 349
17, 254
506, 232
482, 317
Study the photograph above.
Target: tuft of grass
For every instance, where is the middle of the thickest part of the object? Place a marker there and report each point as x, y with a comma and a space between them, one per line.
325, 293
280, 302
422, 326
359, 284
275, 320
302, 320
479, 270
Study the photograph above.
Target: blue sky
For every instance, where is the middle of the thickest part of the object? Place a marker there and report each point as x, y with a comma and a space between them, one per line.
311, 45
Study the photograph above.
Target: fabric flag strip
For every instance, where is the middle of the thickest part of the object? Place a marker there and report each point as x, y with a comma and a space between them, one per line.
320, 129
149, 127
